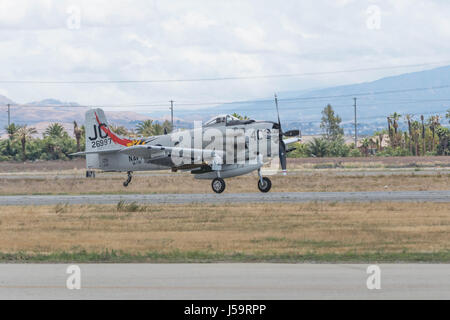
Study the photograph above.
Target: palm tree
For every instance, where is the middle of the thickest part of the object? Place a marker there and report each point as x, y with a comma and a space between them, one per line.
395, 116
365, 143
380, 136
318, 147
157, 129
408, 118
23, 134
237, 115
405, 134
389, 129
444, 140
433, 123
78, 133
167, 126
120, 130
54, 130
394, 120
423, 135
145, 128
11, 130
415, 130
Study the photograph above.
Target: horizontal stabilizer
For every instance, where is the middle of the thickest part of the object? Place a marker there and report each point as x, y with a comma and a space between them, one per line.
92, 152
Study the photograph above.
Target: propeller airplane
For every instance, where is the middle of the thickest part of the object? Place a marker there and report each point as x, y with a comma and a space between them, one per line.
223, 147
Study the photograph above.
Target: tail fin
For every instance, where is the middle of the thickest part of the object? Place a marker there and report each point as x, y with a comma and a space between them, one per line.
98, 135
99, 138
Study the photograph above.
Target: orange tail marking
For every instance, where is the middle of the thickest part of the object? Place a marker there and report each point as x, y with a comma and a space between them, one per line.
114, 138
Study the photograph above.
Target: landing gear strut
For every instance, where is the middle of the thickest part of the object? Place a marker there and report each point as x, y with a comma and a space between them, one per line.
264, 183
125, 184
90, 174
218, 185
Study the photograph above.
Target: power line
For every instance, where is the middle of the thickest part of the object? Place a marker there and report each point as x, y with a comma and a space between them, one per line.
374, 93
287, 75
365, 118
285, 100
360, 118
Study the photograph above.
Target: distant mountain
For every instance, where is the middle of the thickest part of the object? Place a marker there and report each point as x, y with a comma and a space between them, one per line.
37, 116
53, 102
298, 109
5, 101
303, 108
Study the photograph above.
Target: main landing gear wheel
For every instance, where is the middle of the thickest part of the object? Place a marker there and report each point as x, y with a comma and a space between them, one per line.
265, 185
125, 184
90, 174
218, 185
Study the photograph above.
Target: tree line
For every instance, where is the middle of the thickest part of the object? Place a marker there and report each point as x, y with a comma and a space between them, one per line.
422, 137
56, 144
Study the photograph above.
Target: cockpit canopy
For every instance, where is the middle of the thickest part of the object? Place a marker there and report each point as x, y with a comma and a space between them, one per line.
221, 119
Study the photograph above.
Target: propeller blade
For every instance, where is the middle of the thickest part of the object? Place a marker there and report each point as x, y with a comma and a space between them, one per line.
290, 150
282, 146
278, 113
282, 155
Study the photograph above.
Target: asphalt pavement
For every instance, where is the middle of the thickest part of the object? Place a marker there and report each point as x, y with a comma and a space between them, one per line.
225, 281
271, 197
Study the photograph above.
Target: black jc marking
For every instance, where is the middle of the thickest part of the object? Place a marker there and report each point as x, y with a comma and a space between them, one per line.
100, 133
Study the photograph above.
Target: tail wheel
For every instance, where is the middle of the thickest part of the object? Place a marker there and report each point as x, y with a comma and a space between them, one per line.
218, 185
265, 185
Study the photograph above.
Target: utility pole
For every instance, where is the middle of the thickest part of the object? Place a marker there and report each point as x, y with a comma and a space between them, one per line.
423, 135
356, 126
171, 113
9, 115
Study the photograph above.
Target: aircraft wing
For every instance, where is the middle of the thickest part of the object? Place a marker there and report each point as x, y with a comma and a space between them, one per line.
147, 150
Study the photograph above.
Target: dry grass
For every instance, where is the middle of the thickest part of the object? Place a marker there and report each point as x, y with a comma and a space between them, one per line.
78, 165
185, 183
252, 229
43, 166
371, 162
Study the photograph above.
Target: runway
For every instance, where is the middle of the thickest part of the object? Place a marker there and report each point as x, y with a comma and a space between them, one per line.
292, 172
271, 197
225, 281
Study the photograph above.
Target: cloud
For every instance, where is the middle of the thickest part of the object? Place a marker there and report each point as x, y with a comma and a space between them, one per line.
188, 20
145, 40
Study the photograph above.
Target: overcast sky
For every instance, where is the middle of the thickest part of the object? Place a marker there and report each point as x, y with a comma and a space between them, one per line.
151, 40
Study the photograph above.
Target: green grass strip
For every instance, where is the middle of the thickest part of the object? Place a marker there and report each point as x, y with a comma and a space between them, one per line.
112, 256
